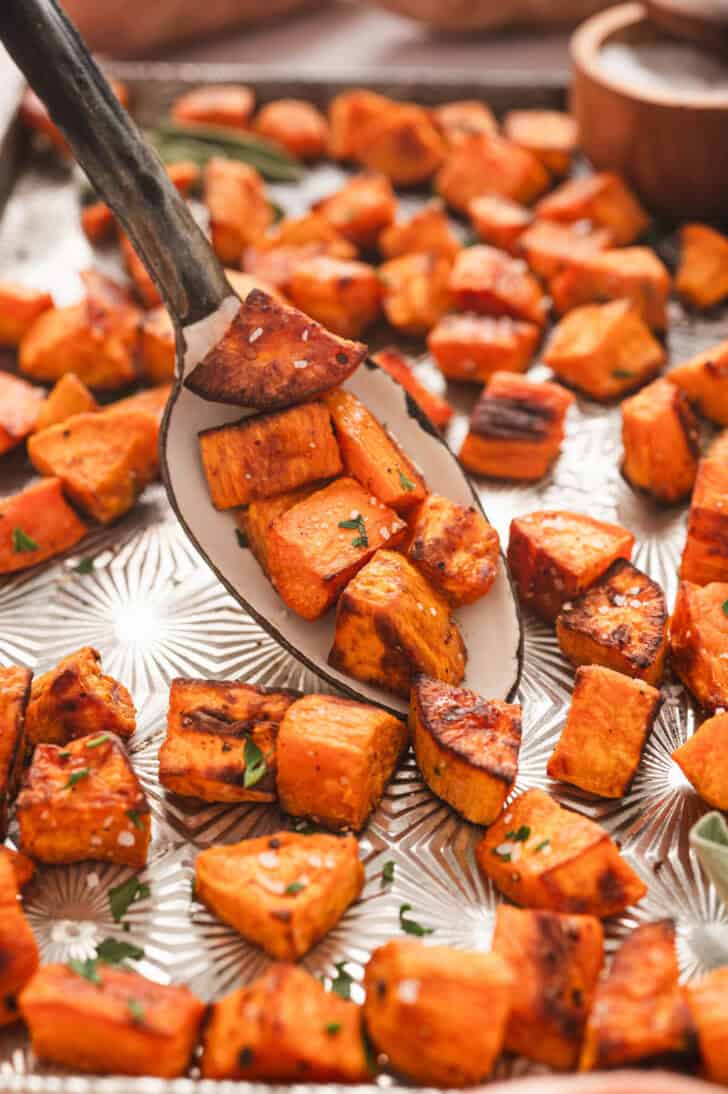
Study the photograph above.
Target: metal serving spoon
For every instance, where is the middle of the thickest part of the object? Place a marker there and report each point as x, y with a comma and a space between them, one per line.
127, 173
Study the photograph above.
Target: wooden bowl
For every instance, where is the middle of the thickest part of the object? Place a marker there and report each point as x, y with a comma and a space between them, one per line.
668, 139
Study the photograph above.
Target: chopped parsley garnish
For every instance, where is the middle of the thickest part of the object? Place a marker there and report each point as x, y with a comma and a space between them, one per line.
113, 951
88, 969
22, 542
85, 566
520, 835
246, 1056
725, 607
341, 983
388, 873
544, 845
294, 887
504, 856
332, 1028
411, 926
357, 524
134, 817
65, 755
241, 538
135, 1009
98, 741
404, 482
76, 776
622, 374
121, 897
255, 764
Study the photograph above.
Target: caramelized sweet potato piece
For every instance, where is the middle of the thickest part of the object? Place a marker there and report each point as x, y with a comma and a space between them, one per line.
144, 285
272, 356
23, 867
371, 456
604, 199
499, 221
487, 163
84, 801
335, 758
433, 406
392, 625
706, 999
619, 622
702, 276
19, 309
285, 1027
227, 105
428, 229
98, 222
490, 282
624, 273
349, 112
466, 746
295, 125
315, 547
273, 267
35, 525
256, 519
555, 555
69, 396
416, 291
605, 350
516, 428
551, 135
361, 209
463, 117
14, 695
473, 347
402, 143
283, 892
268, 454
703, 760
156, 346
640, 1013
151, 401
548, 246
540, 855
698, 637
704, 379
119, 1024
19, 956
705, 557
455, 548
661, 441
20, 407
344, 296
301, 231
439, 1014
220, 744
239, 209
718, 450
557, 960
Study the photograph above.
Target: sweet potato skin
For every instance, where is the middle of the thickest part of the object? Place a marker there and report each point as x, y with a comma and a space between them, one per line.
706, 999
455, 548
19, 955
361, 209
427, 230
705, 557
296, 125
227, 105
344, 296
14, 696
704, 379
239, 210
435, 407
69, 396
474, 347
661, 441
702, 759
604, 199
20, 407
702, 275
19, 308
42, 514
416, 291
698, 636
490, 282
510, 171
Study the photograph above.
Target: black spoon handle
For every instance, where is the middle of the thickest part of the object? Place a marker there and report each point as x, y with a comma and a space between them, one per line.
125, 171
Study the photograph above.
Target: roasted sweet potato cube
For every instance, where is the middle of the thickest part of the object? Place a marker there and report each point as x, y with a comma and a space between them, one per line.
255, 520
610, 719
548, 246
344, 296
434, 406
239, 209
640, 1013
221, 740
371, 456
272, 356
439, 1014
604, 199
75, 699
118, 1024
14, 696
244, 283
23, 867
704, 379
490, 282
473, 347
69, 396
273, 267
605, 350
463, 117
698, 637
466, 746
487, 163
268, 454
416, 291
455, 548
661, 440
19, 309
402, 143
540, 855
705, 557
151, 401
624, 273
98, 222
282, 892
392, 625
285, 1027
428, 229
314, 548
361, 209
228, 105
19, 956
301, 231
349, 112
295, 125
103, 460
335, 758
144, 284
555, 555
84, 801
20, 407
35, 525
516, 428
551, 135
557, 960
499, 221
703, 760
702, 275
707, 1001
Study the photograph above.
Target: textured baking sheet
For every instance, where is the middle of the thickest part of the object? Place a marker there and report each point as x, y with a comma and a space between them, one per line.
155, 612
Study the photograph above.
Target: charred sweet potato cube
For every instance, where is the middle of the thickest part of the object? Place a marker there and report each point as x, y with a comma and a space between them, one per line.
466, 746
707, 1001
487, 163
415, 290
272, 356
490, 282
69, 396
23, 867
220, 744
20, 406
702, 275
344, 296
268, 454
703, 760
403, 143
315, 547
610, 719
283, 892
548, 246
435, 407
255, 520
295, 125
349, 112
705, 557
455, 548
604, 199
144, 284
428, 229
84, 801
605, 350
661, 441
14, 695
19, 956
335, 758
285, 1027
555, 555
499, 221
463, 117
550, 135
118, 1023
540, 855
439, 1014
103, 460
624, 273
698, 642
75, 699
361, 209
640, 1013
371, 456
228, 105
516, 428
704, 379
473, 347
239, 209
19, 309
35, 525
557, 960
392, 625
301, 231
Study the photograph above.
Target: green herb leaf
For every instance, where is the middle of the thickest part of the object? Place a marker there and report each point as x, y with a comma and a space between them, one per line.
332, 1028
357, 524
135, 818
65, 755
725, 607
410, 926
404, 482
121, 897
135, 1009
388, 873
200, 143
520, 835
98, 741
241, 538
85, 566
22, 542
113, 951
88, 969
255, 764
76, 776
622, 374
341, 983
294, 887
504, 856
544, 845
